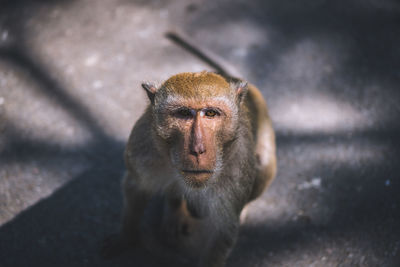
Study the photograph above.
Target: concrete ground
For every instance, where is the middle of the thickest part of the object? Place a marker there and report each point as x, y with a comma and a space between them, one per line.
69, 94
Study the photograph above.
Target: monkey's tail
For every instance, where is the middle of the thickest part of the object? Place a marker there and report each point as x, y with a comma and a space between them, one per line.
214, 61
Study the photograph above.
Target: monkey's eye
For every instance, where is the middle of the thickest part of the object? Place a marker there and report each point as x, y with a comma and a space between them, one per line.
211, 113
183, 113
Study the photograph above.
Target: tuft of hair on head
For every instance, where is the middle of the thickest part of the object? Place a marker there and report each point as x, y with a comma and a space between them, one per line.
196, 85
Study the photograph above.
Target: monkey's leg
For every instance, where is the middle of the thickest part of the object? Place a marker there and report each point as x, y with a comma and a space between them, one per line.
135, 202
264, 177
243, 214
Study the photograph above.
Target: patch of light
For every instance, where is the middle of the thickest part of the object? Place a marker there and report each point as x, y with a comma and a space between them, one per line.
316, 113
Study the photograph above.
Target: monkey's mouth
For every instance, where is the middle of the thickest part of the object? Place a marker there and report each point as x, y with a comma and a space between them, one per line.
196, 178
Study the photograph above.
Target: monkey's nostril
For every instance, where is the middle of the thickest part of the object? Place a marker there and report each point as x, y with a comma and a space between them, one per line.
200, 149
197, 149
197, 152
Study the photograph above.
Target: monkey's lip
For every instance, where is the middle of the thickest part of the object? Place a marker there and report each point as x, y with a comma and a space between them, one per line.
197, 171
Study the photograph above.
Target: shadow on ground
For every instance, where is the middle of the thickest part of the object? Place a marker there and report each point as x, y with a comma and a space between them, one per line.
66, 228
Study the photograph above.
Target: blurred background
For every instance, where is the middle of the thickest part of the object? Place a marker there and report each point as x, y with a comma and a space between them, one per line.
70, 74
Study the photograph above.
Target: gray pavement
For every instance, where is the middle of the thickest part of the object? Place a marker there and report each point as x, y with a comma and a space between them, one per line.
69, 94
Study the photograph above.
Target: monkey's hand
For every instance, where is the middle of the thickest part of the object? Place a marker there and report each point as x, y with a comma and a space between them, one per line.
177, 222
176, 226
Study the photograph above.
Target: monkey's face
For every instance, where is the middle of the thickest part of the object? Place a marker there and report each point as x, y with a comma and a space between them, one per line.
196, 132
196, 114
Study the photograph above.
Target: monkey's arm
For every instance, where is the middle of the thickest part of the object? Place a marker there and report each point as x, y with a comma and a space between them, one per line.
135, 192
135, 202
144, 172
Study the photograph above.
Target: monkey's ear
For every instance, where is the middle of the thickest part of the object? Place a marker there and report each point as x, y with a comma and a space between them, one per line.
150, 90
241, 90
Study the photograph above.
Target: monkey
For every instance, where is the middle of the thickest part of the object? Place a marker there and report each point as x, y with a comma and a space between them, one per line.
205, 143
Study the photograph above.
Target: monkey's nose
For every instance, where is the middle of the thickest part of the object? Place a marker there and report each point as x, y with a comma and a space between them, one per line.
198, 149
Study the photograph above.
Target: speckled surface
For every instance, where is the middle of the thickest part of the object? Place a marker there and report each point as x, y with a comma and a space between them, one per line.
69, 93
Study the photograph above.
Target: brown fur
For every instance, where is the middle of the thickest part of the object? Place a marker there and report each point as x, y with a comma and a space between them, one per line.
196, 85
207, 167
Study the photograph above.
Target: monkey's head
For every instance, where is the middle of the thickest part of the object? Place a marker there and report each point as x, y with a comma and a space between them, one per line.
196, 116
